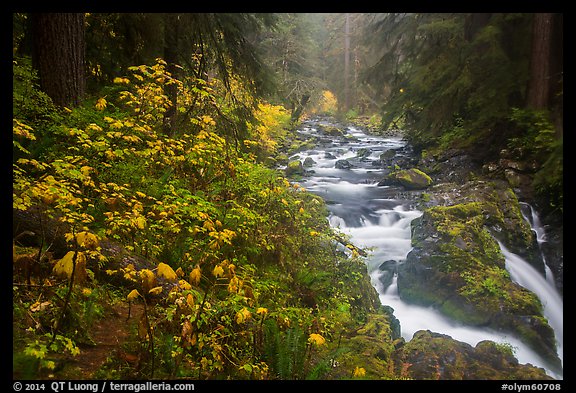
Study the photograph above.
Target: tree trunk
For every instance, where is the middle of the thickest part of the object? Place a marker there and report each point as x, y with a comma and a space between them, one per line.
171, 37
59, 52
347, 64
538, 94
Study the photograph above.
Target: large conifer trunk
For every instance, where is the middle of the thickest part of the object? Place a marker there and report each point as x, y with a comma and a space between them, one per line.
538, 94
59, 52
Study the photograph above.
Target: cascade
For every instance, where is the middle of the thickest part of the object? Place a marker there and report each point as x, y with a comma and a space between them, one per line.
381, 222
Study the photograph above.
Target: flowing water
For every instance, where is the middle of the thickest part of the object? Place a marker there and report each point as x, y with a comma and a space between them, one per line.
379, 218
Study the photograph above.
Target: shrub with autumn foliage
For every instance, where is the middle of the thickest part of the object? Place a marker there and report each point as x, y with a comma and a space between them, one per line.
236, 253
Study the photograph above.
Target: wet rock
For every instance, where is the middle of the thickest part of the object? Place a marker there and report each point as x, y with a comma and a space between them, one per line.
388, 269
463, 273
387, 155
363, 152
308, 162
343, 164
430, 355
295, 167
331, 130
410, 179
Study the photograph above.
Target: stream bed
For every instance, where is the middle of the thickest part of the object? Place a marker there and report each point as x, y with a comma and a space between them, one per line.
345, 169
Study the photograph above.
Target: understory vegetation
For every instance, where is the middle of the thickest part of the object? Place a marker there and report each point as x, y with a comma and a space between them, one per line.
244, 279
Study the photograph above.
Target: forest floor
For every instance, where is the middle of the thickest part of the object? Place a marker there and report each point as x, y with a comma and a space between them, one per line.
109, 334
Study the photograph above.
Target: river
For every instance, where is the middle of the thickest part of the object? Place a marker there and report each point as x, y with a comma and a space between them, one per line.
379, 218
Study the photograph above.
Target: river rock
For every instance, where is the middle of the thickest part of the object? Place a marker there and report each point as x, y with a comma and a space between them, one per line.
330, 130
456, 266
410, 179
309, 161
343, 164
363, 152
388, 269
295, 167
437, 356
387, 155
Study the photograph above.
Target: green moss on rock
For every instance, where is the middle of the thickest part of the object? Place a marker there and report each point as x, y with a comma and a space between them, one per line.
434, 356
456, 265
412, 179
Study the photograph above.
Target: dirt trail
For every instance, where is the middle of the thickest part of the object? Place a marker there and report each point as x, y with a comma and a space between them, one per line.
109, 333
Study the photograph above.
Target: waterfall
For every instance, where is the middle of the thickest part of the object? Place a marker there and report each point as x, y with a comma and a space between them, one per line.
544, 288
390, 240
534, 220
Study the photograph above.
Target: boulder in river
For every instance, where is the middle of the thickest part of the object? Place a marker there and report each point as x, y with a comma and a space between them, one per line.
343, 164
309, 161
437, 356
388, 269
456, 265
295, 167
410, 179
331, 130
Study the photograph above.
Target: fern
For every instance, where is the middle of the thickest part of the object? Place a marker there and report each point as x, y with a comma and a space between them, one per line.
285, 351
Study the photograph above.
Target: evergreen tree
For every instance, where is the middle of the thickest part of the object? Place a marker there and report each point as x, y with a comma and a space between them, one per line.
59, 46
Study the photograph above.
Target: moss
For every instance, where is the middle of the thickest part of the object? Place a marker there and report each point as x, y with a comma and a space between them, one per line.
412, 178
457, 266
295, 167
369, 347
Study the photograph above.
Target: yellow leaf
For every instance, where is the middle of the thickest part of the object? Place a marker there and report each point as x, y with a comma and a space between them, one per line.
218, 271
65, 265
195, 276
190, 300
243, 316
101, 104
87, 240
121, 80
316, 339
133, 295
167, 272
262, 310
184, 285
234, 285
155, 291
359, 371
180, 272
148, 278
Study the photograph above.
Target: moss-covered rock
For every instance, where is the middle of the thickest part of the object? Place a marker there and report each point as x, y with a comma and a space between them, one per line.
295, 167
456, 265
411, 179
331, 130
369, 347
436, 356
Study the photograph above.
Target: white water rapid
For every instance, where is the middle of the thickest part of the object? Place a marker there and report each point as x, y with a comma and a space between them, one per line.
377, 218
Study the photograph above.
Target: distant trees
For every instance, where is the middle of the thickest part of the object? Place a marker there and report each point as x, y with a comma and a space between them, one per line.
426, 70
439, 70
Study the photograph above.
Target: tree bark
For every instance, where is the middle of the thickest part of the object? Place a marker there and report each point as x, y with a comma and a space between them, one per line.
538, 94
347, 64
171, 39
59, 56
